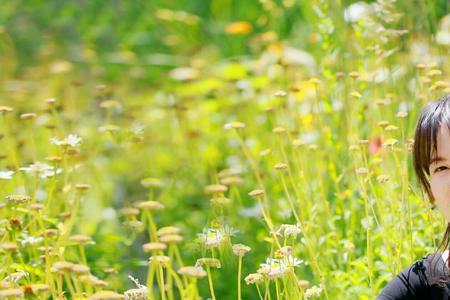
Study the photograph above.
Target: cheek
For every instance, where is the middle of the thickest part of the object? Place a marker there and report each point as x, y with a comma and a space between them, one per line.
439, 186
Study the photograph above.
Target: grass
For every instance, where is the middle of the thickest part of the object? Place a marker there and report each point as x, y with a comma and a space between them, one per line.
273, 174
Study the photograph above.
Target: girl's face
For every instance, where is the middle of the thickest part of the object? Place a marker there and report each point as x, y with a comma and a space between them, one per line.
440, 173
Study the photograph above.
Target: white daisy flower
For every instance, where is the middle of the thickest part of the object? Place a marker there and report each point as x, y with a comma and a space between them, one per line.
72, 140
41, 169
214, 237
6, 174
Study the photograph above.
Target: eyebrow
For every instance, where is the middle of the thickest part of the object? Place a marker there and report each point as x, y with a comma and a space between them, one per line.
436, 160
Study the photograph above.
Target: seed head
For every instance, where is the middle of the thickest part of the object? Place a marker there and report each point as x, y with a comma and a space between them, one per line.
17, 198
80, 239
240, 249
150, 205
171, 239
253, 278
106, 295
11, 293
362, 171
192, 271
151, 182
5, 109
281, 166
434, 72
160, 259
256, 193
128, 212
153, 247
220, 201
303, 284
234, 125
383, 123
27, 116
63, 266
391, 128
215, 188
354, 74
279, 130
207, 261
168, 230
8, 246
231, 180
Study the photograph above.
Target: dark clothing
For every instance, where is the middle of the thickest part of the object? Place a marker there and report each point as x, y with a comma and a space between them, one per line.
424, 279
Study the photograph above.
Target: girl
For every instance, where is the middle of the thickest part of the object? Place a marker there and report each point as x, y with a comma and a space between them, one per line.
429, 277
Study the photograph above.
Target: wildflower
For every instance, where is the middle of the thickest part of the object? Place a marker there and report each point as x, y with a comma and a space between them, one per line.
362, 171
256, 193
253, 278
279, 130
151, 182
434, 72
231, 180
280, 94
214, 237
134, 224
40, 287
109, 128
390, 143
280, 166
171, 239
82, 186
150, 247
62, 266
297, 143
240, 27
6, 174
128, 211
80, 269
80, 239
160, 259
401, 114
192, 271
27, 116
31, 240
215, 188
383, 178
240, 249
17, 198
207, 261
140, 293
383, 123
314, 291
356, 95
71, 140
220, 201
234, 125
36, 206
303, 284
106, 295
151, 205
275, 268
41, 169
16, 276
11, 293
391, 128
289, 230
168, 230
4, 109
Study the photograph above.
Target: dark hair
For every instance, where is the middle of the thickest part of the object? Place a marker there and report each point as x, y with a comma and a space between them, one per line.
433, 115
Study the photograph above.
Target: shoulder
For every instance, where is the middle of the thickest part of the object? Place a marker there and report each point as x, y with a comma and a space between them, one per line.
420, 280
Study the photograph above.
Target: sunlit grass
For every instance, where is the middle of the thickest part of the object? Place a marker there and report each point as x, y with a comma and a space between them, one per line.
284, 174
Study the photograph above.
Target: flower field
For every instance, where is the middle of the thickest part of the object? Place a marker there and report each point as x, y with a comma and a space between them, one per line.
214, 149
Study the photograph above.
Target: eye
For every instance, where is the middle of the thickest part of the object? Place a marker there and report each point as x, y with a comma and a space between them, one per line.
439, 168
